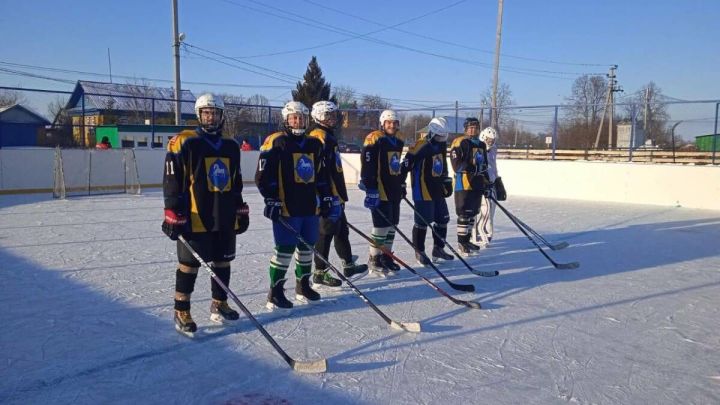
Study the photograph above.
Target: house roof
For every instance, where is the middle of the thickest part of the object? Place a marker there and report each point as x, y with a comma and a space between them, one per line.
17, 113
126, 97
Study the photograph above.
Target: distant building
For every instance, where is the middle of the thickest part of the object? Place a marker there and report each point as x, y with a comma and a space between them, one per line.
93, 104
626, 138
20, 126
704, 143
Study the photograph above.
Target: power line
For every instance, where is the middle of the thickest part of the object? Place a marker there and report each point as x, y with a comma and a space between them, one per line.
324, 26
393, 27
95, 74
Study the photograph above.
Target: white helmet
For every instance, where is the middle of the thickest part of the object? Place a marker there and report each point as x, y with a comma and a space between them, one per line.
437, 128
321, 110
489, 134
295, 107
208, 100
388, 115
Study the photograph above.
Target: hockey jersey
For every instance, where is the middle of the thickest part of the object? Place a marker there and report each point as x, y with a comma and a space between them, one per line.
202, 179
291, 169
428, 163
381, 167
468, 156
332, 161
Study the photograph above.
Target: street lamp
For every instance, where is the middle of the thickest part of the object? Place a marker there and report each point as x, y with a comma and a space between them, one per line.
673, 137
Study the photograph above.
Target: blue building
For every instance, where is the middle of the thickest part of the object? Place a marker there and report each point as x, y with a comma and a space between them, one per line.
20, 126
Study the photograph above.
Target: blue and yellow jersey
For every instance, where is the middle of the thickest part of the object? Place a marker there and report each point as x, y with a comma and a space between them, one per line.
291, 169
428, 163
468, 156
332, 160
382, 167
202, 179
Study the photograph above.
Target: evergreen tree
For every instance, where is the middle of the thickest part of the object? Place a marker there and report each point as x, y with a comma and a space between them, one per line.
313, 88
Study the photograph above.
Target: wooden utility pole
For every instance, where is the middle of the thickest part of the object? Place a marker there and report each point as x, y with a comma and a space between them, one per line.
609, 107
176, 55
498, 34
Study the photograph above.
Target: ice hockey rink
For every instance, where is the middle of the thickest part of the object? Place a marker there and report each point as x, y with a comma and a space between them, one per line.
87, 284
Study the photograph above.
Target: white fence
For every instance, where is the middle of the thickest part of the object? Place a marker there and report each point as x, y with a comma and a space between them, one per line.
31, 170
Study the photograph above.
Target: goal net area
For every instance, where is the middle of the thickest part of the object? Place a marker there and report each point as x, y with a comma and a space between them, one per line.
79, 172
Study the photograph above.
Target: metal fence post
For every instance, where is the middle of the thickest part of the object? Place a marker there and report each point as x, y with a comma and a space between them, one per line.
152, 122
433, 113
82, 123
555, 129
715, 133
632, 132
268, 128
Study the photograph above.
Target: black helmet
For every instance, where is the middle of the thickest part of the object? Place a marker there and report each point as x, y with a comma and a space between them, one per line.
470, 121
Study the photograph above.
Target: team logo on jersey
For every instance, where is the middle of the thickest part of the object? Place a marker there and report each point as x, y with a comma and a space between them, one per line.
394, 163
304, 168
218, 174
437, 166
479, 159
338, 162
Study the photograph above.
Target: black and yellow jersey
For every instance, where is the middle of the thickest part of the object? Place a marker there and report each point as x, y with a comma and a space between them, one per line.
468, 156
202, 179
382, 168
291, 169
428, 168
332, 161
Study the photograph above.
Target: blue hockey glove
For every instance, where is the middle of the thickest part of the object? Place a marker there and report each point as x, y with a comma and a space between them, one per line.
273, 208
372, 199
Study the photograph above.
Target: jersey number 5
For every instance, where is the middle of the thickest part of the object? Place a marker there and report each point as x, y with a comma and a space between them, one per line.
367, 156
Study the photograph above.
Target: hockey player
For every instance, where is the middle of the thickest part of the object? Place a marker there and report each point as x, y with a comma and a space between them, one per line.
468, 156
427, 162
483, 227
202, 186
324, 114
383, 179
292, 179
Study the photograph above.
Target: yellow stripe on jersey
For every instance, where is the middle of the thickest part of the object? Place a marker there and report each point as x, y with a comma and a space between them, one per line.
372, 137
178, 140
319, 134
196, 224
268, 143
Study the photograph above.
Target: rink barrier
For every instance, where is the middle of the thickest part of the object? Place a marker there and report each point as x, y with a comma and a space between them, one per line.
30, 170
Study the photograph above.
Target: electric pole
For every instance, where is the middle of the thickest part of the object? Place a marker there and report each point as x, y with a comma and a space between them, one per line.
176, 54
645, 112
498, 34
609, 106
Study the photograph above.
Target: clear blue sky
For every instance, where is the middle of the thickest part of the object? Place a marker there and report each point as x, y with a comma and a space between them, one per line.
673, 43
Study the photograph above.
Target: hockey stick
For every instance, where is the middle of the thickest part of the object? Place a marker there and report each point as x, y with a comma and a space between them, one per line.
459, 287
317, 366
557, 246
563, 266
427, 223
408, 326
469, 304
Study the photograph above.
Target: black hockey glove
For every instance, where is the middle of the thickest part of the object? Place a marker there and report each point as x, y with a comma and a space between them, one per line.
500, 190
330, 208
273, 208
447, 186
242, 215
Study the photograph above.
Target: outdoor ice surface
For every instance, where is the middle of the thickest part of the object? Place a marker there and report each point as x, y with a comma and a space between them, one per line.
86, 289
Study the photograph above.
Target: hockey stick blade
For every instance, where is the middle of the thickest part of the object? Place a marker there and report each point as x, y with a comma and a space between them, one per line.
485, 273
567, 266
469, 304
310, 367
559, 246
461, 287
406, 326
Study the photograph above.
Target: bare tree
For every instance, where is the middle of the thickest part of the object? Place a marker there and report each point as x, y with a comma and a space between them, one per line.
10, 97
346, 97
374, 102
258, 114
504, 99
650, 96
139, 103
61, 131
587, 99
235, 115
410, 124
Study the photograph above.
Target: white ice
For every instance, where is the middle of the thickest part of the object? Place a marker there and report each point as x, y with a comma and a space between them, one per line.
86, 288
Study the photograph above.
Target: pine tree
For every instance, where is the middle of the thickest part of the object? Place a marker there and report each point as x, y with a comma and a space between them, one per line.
313, 88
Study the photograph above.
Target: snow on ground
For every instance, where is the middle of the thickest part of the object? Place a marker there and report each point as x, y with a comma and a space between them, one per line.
86, 289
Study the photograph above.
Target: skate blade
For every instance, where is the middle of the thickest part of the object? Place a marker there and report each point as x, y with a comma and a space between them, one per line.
219, 319
274, 308
378, 274
324, 287
303, 300
187, 334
